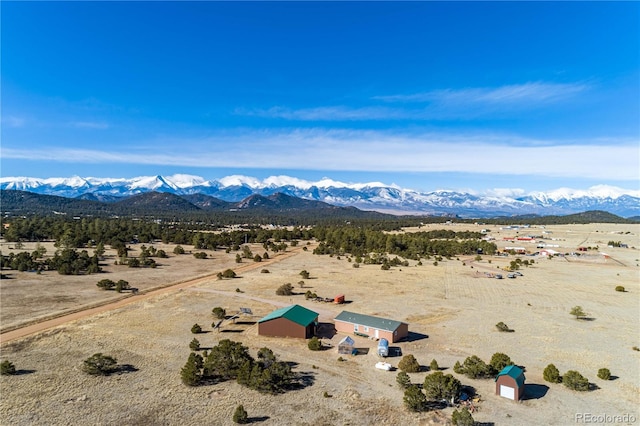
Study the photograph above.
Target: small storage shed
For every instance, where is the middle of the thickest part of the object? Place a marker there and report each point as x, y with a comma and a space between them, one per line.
369, 326
510, 383
346, 346
292, 321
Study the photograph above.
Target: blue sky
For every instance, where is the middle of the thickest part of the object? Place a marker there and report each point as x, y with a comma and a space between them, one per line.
425, 95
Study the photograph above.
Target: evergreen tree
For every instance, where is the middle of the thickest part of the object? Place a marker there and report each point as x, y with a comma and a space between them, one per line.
191, 373
240, 416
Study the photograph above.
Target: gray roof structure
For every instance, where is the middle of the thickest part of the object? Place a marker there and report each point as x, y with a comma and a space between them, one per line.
368, 320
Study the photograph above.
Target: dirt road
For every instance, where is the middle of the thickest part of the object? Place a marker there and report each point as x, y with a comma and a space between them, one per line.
83, 312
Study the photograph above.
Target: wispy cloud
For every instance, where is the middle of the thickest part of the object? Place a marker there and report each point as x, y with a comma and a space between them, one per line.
357, 150
13, 121
329, 113
469, 103
526, 94
89, 125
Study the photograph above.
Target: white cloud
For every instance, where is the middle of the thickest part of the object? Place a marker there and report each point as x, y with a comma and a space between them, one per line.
523, 94
359, 150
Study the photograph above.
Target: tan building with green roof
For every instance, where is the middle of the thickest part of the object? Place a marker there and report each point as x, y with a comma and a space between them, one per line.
370, 326
292, 321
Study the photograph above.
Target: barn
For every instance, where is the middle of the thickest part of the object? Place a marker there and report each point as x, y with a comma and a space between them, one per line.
510, 383
292, 321
370, 326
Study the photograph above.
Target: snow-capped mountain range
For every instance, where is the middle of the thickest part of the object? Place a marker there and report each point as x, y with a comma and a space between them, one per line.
365, 196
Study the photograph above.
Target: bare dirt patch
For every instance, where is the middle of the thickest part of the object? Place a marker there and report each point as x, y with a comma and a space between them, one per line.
451, 311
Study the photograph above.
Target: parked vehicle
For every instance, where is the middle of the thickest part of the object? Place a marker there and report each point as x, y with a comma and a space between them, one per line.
383, 347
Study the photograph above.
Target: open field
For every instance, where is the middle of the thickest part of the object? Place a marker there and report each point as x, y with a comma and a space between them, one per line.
451, 308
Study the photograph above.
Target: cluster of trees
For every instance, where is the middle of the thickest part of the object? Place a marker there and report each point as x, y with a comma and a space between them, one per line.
416, 245
118, 286
572, 379
230, 360
436, 387
475, 368
65, 261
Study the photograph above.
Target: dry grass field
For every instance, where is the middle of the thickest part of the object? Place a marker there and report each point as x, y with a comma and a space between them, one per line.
451, 308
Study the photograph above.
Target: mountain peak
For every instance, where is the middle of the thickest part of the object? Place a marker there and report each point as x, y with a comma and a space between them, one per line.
367, 196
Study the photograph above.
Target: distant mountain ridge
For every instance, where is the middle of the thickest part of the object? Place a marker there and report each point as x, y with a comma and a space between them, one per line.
366, 196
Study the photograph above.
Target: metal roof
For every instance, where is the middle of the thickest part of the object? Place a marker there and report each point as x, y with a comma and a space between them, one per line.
296, 313
368, 320
513, 371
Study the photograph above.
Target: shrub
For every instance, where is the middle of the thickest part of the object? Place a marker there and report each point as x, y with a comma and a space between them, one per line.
304, 274
434, 365
409, 364
503, 327
195, 329
285, 290
200, 255
106, 284
327, 395
577, 312
414, 399
403, 380
219, 312
194, 345
604, 374
301, 283
575, 381
499, 361
457, 367
99, 365
440, 386
356, 265
314, 344
228, 273
257, 258
240, 416
462, 417
122, 285
551, 374
178, 250
264, 271
475, 368
7, 368
620, 288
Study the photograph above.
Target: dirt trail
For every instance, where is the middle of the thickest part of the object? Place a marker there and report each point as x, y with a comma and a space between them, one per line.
90, 310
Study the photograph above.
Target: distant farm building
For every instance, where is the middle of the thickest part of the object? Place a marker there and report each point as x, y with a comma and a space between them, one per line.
510, 383
547, 252
517, 250
292, 321
369, 326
